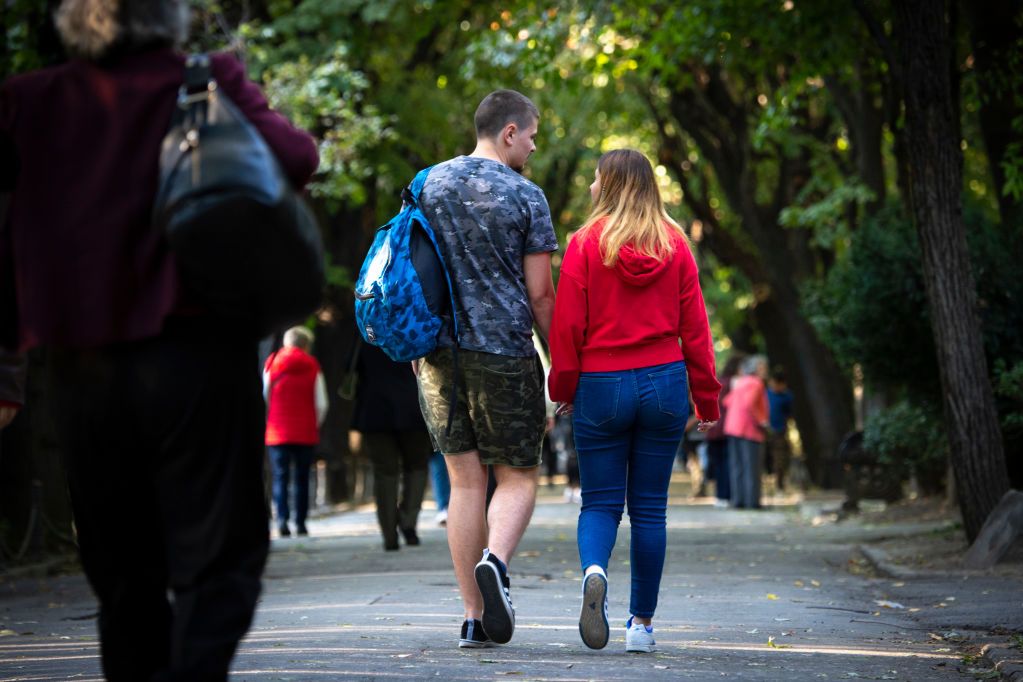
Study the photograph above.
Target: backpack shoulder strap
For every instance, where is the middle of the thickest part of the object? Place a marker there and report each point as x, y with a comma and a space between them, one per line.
410, 195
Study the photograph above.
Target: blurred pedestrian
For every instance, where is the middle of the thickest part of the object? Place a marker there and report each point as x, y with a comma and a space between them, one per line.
441, 487
625, 377
157, 404
296, 399
746, 427
394, 439
717, 441
779, 449
12, 384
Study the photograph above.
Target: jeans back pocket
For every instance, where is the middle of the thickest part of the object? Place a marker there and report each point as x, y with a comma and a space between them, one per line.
596, 399
672, 389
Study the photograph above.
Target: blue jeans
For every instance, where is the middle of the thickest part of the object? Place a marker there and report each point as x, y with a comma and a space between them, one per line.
717, 453
745, 466
441, 483
281, 459
627, 426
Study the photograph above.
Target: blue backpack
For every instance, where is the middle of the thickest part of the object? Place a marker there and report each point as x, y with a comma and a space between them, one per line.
404, 289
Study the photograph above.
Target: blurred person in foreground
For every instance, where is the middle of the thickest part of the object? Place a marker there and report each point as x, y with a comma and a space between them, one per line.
626, 379
158, 406
296, 401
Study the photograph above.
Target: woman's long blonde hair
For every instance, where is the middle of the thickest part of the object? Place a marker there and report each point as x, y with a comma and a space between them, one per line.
631, 203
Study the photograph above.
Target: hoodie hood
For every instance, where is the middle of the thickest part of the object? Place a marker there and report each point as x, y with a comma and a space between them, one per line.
637, 269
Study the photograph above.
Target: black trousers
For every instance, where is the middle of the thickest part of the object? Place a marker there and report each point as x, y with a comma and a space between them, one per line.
400, 460
163, 441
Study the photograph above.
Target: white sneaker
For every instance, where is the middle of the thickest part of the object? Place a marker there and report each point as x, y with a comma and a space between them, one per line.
721, 504
441, 519
639, 638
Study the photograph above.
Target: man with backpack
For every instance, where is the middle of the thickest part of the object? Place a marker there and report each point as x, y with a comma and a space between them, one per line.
494, 232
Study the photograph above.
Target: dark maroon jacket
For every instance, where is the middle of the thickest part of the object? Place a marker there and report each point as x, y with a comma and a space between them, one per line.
80, 263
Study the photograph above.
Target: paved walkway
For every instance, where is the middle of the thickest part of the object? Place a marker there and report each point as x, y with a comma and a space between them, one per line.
746, 595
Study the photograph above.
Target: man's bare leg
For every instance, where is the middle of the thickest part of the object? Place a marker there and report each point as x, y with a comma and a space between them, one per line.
467, 532
511, 508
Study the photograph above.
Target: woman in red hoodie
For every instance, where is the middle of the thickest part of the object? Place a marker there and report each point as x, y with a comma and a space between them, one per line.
629, 337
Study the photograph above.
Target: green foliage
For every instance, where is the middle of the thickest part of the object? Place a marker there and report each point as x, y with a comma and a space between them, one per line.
30, 41
828, 217
326, 97
909, 437
871, 309
1009, 392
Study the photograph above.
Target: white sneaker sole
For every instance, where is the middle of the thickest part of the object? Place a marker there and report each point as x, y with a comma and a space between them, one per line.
593, 626
640, 648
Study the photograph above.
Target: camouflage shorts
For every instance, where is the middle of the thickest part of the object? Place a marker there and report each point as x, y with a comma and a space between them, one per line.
500, 409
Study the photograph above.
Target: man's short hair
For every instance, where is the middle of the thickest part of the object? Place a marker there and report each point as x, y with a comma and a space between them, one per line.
778, 374
299, 337
502, 107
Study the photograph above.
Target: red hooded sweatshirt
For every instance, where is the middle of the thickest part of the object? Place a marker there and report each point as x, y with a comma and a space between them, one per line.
630, 316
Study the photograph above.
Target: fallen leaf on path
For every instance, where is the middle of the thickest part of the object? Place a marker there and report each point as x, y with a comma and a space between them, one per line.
529, 554
799, 583
885, 604
815, 583
782, 620
7, 633
772, 597
770, 643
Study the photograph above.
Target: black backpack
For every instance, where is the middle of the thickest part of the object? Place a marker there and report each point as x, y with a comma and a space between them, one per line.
247, 247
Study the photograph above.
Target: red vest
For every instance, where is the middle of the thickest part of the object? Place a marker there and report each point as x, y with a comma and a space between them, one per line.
291, 419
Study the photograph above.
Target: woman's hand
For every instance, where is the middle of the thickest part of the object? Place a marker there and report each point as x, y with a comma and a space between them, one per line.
563, 409
705, 426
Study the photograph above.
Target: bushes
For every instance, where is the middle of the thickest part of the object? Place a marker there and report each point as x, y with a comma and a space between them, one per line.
871, 310
908, 438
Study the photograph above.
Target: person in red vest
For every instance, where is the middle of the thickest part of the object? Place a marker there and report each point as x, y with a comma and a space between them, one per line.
296, 397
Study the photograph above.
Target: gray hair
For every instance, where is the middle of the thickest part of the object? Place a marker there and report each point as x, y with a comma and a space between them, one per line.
299, 337
752, 363
92, 28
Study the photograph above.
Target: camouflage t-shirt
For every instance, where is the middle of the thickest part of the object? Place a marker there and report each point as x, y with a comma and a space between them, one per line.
487, 217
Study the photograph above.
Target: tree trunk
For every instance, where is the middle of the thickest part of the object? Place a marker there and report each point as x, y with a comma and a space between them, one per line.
935, 163
822, 407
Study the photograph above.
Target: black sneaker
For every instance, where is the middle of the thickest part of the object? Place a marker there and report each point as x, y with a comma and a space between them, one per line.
474, 636
283, 530
498, 613
301, 529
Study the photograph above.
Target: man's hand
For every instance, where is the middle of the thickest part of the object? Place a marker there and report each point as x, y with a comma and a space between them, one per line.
564, 408
7, 415
705, 426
